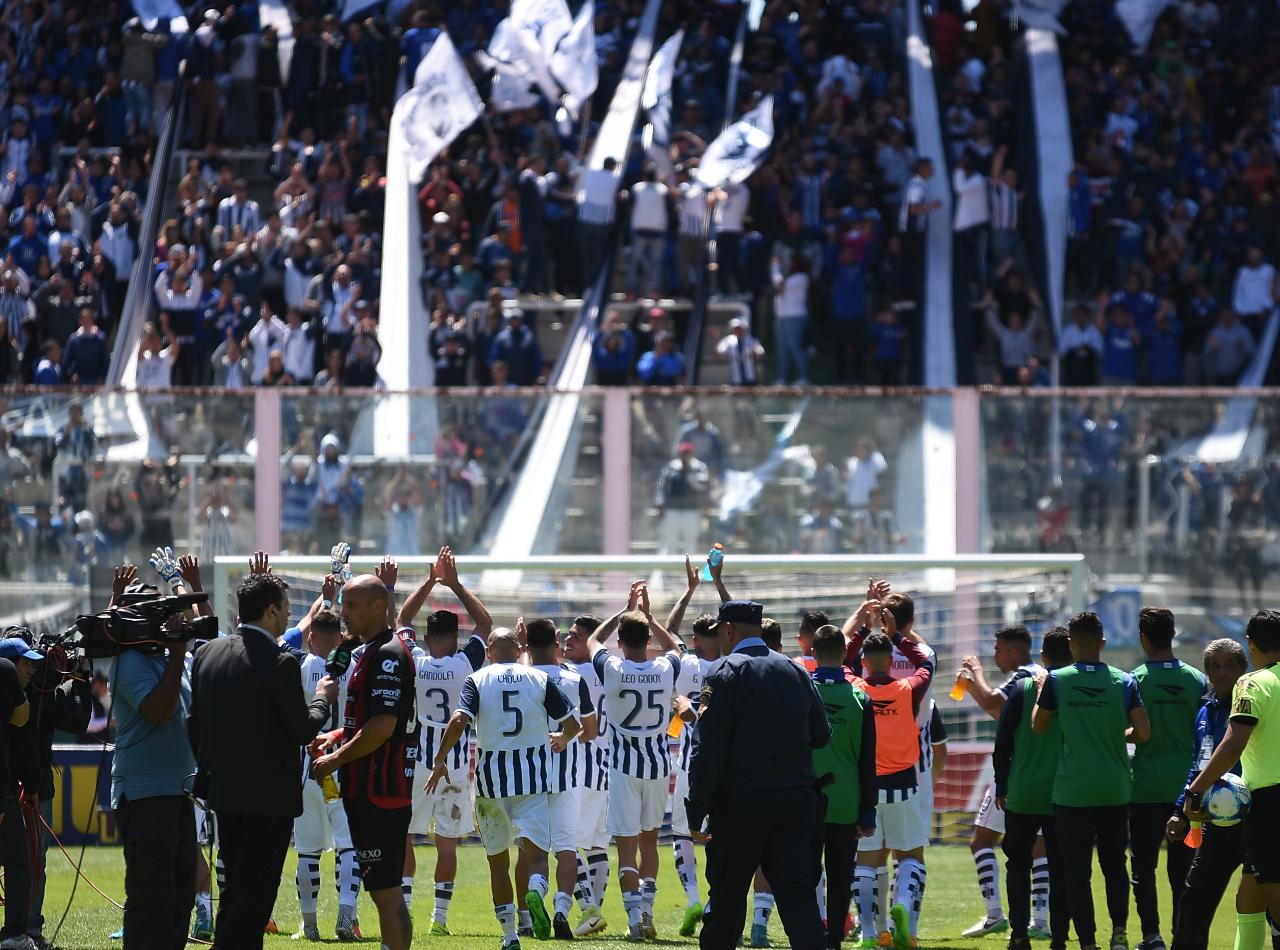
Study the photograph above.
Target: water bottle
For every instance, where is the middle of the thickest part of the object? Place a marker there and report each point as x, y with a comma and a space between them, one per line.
330, 789
714, 558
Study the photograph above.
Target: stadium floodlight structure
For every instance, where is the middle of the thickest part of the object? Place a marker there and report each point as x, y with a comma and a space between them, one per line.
961, 600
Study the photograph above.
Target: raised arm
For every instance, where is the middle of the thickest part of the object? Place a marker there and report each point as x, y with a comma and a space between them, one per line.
666, 641
414, 603
676, 616
447, 569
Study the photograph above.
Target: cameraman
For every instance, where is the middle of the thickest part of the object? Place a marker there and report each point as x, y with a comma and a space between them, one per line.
149, 773
16, 668
57, 704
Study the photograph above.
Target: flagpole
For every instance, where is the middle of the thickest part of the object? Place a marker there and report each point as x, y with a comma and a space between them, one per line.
586, 123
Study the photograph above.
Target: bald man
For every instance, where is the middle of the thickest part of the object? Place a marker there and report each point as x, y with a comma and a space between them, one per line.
376, 752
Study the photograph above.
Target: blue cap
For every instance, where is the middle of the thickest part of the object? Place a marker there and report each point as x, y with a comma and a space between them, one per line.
740, 611
16, 649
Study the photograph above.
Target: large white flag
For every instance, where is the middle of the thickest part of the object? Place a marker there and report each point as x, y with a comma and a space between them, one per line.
1041, 14
151, 12
539, 27
511, 78
739, 149
573, 61
1139, 18
442, 102
655, 98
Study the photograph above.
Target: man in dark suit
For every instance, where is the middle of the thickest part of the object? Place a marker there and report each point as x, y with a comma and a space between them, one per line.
249, 717
751, 778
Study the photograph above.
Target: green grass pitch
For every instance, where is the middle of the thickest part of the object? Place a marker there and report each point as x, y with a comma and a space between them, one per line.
951, 904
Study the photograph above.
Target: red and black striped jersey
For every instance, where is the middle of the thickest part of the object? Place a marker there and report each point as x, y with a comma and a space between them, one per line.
382, 683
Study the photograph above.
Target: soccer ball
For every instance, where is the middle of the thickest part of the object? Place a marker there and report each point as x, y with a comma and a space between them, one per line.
1228, 800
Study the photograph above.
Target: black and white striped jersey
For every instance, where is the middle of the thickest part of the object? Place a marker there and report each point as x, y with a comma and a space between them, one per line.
596, 763
439, 688
569, 768
689, 683
312, 673
637, 698
509, 705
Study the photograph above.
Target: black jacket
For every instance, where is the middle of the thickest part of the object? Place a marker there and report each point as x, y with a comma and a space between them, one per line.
759, 721
65, 709
248, 718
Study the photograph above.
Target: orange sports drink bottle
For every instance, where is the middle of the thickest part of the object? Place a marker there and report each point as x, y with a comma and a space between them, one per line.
960, 688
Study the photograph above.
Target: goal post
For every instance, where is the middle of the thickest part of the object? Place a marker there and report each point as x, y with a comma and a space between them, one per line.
960, 602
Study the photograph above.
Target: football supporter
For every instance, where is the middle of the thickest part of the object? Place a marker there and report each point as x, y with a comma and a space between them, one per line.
1099, 709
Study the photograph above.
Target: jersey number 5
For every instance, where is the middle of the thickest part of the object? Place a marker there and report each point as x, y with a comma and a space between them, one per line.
653, 703
518, 726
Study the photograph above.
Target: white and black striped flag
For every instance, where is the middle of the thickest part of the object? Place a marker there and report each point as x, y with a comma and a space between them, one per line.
739, 149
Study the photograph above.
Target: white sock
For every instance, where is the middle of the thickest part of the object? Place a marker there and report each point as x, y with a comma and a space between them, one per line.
687, 867
631, 903
865, 896
582, 890
308, 880
539, 884
406, 888
989, 881
348, 874
204, 903
506, 914
598, 866
526, 919
648, 894
563, 903
444, 894
883, 898
763, 908
909, 891
1040, 893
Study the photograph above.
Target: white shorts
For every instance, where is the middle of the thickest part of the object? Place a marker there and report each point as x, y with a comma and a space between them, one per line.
989, 816
635, 804
679, 814
593, 812
898, 827
503, 821
565, 808
206, 827
322, 826
447, 812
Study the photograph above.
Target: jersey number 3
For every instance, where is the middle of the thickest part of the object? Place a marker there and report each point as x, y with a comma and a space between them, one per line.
518, 725
653, 703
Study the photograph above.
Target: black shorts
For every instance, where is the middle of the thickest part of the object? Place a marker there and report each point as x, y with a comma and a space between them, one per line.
378, 836
1261, 832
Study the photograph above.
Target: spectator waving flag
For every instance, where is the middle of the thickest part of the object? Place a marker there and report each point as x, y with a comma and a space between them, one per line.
441, 104
151, 12
739, 149
573, 62
511, 79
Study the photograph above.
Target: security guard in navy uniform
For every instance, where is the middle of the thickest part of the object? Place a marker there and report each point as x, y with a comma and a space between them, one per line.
751, 780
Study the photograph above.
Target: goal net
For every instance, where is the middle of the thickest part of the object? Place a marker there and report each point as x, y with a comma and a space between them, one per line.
959, 604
